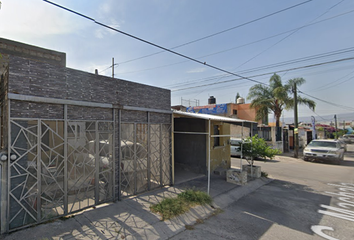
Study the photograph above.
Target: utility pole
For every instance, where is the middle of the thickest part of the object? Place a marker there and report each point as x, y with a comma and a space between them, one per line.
296, 130
313, 121
112, 67
343, 124
335, 124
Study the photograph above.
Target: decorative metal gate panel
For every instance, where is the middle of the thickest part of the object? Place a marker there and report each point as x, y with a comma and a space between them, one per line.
23, 177
145, 157
155, 152
61, 167
166, 151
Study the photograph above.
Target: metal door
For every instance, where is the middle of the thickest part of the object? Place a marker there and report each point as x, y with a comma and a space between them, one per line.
60, 168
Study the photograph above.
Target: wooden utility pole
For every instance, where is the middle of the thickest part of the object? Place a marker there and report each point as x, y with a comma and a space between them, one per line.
296, 130
112, 67
335, 124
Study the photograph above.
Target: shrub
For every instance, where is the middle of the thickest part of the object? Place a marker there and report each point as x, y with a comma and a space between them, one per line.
254, 147
195, 197
171, 207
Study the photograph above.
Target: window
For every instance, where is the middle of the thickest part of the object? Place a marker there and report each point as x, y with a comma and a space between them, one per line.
216, 132
234, 112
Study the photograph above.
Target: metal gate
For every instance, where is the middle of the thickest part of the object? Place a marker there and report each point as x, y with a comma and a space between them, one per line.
145, 157
61, 167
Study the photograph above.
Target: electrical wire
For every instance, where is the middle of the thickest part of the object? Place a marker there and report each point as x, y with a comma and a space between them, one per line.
270, 66
327, 86
330, 103
153, 44
240, 46
279, 41
223, 31
290, 69
192, 59
290, 34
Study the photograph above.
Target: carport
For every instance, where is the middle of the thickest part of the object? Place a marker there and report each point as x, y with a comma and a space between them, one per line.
202, 141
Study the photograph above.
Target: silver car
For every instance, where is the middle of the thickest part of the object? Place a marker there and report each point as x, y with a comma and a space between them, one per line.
347, 138
327, 150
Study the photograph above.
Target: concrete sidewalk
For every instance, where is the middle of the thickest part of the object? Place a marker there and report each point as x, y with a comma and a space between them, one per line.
132, 218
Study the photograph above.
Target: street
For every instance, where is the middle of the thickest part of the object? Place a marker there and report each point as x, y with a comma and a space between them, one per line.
305, 201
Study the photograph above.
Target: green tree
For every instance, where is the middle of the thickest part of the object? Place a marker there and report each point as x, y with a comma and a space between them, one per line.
276, 97
255, 146
237, 96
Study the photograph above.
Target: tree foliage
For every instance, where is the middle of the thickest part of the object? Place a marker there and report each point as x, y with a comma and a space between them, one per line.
276, 97
255, 146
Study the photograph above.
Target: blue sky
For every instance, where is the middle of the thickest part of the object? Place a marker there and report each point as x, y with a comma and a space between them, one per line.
320, 29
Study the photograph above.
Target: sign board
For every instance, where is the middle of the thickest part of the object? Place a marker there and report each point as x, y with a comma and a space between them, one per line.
209, 109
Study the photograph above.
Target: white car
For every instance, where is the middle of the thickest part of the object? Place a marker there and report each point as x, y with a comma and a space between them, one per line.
324, 150
235, 146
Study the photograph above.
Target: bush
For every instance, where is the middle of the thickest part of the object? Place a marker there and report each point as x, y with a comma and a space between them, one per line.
195, 197
257, 147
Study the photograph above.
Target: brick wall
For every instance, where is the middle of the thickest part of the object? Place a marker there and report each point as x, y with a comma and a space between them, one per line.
32, 52
34, 78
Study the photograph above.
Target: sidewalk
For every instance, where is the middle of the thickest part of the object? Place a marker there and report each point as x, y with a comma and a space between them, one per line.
290, 153
132, 218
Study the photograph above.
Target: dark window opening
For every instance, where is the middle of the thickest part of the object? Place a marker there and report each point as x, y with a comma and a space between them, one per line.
216, 132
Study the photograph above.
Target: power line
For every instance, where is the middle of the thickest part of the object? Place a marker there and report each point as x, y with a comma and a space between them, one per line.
287, 36
291, 69
270, 66
192, 59
152, 44
223, 31
279, 41
330, 103
326, 86
240, 46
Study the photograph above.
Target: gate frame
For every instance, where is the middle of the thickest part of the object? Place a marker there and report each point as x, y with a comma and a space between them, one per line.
5, 167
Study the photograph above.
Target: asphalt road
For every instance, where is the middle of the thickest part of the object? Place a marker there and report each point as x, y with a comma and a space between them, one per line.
305, 201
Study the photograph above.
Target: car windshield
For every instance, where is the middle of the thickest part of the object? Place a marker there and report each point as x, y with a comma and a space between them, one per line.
235, 142
322, 144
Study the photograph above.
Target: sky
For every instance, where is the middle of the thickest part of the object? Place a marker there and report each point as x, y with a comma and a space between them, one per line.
253, 39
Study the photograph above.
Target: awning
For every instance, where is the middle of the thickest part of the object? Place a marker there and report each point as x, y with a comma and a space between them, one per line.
211, 117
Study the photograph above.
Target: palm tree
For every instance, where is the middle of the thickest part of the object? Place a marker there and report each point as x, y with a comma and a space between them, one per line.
276, 97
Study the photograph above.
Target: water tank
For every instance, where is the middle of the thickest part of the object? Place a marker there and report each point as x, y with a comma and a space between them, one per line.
212, 100
240, 100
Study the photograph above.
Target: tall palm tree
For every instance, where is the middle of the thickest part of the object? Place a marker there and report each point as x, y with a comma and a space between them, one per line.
276, 97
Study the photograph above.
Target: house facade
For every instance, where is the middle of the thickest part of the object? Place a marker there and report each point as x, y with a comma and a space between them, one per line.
72, 140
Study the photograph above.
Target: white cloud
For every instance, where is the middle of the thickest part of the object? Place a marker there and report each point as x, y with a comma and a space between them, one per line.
101, 31
197, 70
35, 19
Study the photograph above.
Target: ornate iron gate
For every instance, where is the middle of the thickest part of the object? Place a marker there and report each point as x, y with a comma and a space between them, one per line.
145, 157
61, 167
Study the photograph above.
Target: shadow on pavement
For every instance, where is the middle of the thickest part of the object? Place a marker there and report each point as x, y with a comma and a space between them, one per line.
129, 218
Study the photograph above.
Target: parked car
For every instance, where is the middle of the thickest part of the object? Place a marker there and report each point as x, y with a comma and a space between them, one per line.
327, 150
235, 146
347, 138
343, 144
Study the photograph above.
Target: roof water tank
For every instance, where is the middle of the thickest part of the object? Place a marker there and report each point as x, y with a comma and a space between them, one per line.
212, 100
240, 100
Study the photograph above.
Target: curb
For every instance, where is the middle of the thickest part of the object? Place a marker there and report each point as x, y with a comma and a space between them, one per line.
198, 213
